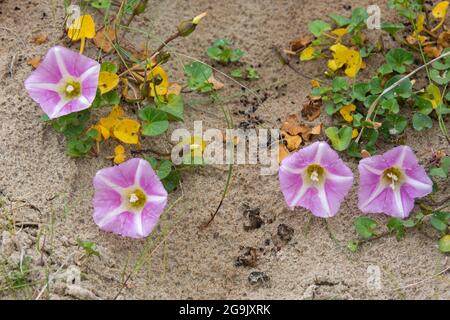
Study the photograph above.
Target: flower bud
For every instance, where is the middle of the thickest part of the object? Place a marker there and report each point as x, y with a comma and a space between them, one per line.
186, 27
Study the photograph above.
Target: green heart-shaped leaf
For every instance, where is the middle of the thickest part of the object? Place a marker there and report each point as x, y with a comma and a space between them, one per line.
155, 121
340, 138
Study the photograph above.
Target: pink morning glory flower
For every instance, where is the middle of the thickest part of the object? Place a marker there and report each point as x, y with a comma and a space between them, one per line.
315, 178
390, 182
64, 82
129, 198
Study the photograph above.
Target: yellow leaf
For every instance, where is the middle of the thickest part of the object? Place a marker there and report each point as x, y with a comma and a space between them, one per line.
354, 133
82, 27
159, 81
420, 22
440, 10
346, 112
433, 94
110, 121
116, 112
354, 63
332, 65
104, 133
314, 83
107, 81
345, 56
119, 154
308, 54
339, 54
340, 32
126, 130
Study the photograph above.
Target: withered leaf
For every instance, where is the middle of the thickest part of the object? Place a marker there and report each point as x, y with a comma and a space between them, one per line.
282, 152
130, 92
316, 130
104, 39
444, 39
365, 153
40, 39
217, 85
34, 62
433, 52
293, 127
299, 43
311, 110
174, 88
292, 142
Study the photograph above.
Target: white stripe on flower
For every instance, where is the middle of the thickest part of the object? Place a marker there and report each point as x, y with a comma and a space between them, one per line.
324, 200
138, 223
336, 178
59, 106
319, 152
156, 198
61, 65
111, 215
416, 183
401, 158
300, 194
92, 70
372, 170
138, 174
43, 86
398, 202
293, 170
379, 189
111, 184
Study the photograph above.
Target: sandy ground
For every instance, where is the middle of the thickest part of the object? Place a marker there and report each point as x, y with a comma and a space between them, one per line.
46, 195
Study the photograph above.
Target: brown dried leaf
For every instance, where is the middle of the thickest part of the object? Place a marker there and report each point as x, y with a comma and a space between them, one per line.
311, 110
130, 92
312, 132
433, 52
317, 129
299, 43
40, 39
104, 39
440, 153
365, 153
293, 127
34, 62
174, 88
217, 85
444, 39
282, 152
411, 39
314, 83
292, 142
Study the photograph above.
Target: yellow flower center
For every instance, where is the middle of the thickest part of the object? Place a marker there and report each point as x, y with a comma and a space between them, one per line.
137, 199
393, 177
315, 174
71, 89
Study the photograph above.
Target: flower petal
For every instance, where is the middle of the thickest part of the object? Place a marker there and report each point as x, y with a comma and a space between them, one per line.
119, 177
